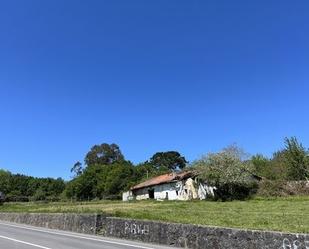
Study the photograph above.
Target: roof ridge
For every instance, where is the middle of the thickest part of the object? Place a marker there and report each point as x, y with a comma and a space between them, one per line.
164, 178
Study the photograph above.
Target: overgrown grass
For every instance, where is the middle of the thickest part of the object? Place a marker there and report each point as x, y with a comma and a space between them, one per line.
278, 214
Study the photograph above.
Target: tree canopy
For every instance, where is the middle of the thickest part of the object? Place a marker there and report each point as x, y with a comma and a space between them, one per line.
290, 163
170, 160
228, 172
77, 169
104, 154
17, 187
297, 159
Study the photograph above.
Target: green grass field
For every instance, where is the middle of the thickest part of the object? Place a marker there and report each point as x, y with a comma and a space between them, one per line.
277, 214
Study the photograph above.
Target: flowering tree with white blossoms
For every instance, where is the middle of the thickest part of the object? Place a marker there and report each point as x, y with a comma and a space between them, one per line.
229, 170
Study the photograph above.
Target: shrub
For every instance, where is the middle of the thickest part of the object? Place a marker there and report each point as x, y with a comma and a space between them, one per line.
2, 198
269, 188
235, 191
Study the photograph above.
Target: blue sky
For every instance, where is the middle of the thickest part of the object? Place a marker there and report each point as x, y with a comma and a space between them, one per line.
192, 76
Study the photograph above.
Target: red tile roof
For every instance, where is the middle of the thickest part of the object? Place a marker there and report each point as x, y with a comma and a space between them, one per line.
166, 178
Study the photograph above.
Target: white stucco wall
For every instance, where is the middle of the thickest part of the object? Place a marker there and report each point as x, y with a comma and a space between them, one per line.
205, 191
165, 190
141, 194
181, 190
127, 196
160, 192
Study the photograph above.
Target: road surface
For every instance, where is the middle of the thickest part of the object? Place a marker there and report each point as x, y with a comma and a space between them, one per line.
16, 236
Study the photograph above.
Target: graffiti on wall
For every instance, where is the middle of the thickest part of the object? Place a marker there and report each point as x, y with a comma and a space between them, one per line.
138, 229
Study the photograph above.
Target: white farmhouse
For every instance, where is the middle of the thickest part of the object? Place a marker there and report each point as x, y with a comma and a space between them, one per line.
171, 186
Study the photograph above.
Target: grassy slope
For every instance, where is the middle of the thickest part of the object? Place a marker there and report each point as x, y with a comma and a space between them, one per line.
279, 214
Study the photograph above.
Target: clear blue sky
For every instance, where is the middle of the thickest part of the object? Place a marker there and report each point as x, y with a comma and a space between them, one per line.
192, 76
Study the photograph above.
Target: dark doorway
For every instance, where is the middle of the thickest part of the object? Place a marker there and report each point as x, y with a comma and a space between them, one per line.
151, 193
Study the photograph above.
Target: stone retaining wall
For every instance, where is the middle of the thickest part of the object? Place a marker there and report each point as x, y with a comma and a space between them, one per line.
80, 223
177, 235
202, 237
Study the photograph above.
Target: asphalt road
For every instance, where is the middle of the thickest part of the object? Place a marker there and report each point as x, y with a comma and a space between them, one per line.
13, 236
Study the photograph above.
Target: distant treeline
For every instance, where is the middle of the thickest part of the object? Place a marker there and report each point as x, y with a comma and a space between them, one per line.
106, 173
18, 187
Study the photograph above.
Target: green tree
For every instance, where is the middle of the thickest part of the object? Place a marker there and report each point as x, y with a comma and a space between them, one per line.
101, 182
22, 188
115, 179
144, 171
170, 160
278, 166
229, 171
5, 178
107, 173
297, 160
77, 169
39, 195
104, 154
262, 166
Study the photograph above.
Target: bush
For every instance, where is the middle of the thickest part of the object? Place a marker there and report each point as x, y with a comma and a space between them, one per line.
112, 197
297, 187
2, 198
281, 188
39, 195
53, 199
235, 191
269, 188
16, 198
